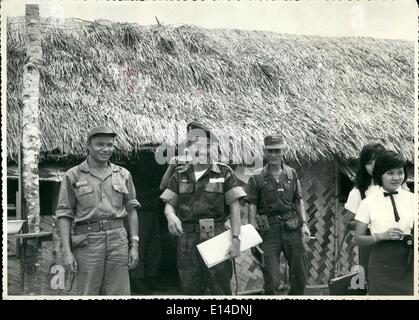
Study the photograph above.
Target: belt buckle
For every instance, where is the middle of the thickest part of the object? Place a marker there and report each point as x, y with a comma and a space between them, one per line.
101, 224
88, 224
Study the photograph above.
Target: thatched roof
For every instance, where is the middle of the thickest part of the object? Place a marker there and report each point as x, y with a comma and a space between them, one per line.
328, 96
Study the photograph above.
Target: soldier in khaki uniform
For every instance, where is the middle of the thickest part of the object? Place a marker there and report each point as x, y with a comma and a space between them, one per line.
277, 210
95, 198
199, 199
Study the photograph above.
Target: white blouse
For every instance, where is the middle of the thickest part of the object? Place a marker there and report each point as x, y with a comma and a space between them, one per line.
377, 211
354, 198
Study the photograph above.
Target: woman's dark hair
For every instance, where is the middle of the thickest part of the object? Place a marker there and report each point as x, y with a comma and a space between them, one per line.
387, 161
363, 179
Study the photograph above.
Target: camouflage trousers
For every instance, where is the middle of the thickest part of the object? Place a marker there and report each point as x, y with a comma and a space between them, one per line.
195, 277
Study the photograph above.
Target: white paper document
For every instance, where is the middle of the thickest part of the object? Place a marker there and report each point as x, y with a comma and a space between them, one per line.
215, 250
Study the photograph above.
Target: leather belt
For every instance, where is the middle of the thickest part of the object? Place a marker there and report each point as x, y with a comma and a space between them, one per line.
97, 226
194, 227
280, 217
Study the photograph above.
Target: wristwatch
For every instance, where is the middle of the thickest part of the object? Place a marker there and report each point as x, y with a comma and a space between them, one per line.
135, 239
237, 236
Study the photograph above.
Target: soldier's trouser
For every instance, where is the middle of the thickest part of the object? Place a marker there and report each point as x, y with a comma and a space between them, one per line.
102, 259
195, 277
149, 246
278, 240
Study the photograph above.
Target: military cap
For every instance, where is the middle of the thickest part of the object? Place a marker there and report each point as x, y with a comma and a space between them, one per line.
196, 129
101, 130
196, 125
274, 142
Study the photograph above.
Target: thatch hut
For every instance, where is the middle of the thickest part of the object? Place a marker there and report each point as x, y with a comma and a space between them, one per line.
328, 96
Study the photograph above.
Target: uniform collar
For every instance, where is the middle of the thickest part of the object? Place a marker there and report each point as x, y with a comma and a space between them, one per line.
185, 168
214, 168
84, 166
399, 190
266, 172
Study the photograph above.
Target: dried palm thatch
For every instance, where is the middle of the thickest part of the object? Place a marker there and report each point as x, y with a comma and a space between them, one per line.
328, 96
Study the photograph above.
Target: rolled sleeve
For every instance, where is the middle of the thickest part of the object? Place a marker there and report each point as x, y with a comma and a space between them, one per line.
132, 204
130, 199
232, 190
66, 200
252, 191
170, 197
234, 194
298, 191
171, 194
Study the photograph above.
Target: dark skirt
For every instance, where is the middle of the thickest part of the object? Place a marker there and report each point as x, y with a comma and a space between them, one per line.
390, 269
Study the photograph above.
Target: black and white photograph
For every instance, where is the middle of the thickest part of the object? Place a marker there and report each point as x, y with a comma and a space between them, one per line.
185, 149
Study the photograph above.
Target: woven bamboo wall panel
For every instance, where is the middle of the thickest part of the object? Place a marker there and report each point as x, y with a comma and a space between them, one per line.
249, 274
318, 186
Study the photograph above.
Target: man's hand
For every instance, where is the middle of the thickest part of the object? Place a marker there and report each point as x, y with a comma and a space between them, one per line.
305, 232
262, 223
133, 257
173, 162
234, 251
254, 224
70, 261
174, 225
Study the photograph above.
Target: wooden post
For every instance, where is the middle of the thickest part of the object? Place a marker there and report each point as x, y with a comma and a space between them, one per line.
30, 123
336, 220
30, 142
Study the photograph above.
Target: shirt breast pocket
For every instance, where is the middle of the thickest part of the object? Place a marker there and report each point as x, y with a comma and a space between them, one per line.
214, 187
120, 192
268, 191
288, 191
85, 196
186, 188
